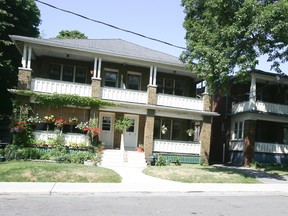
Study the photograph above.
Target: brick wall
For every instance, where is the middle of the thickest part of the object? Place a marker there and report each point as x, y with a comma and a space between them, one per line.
96, 84
148, 134
152, 97
24, 79
205, 138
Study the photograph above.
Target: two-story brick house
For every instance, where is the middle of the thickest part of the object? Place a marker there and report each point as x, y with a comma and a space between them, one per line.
253, 125
149, 87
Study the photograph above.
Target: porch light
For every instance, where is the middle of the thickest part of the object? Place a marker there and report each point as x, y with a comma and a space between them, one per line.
91, 72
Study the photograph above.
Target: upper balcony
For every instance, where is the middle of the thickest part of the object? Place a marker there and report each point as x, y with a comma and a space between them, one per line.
260, 106
114, 94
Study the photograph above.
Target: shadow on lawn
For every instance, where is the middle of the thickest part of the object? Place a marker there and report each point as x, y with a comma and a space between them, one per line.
248, 172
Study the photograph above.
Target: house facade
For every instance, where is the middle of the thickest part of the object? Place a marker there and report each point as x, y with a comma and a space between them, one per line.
253, 125
151, 88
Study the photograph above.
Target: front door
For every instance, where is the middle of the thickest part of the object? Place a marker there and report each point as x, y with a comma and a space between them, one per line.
131, 134
107, 129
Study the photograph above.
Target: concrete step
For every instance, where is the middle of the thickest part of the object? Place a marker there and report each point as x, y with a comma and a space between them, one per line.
116, 158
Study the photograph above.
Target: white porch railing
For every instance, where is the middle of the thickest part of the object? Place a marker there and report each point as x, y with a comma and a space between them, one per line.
69, 137
179, 102
261, 107
177, 146
274, 148
271, 148
236, 145
127, 95
61, 87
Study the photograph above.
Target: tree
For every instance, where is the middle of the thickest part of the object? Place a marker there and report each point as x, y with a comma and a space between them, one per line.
19, 17
225, 38
71, 34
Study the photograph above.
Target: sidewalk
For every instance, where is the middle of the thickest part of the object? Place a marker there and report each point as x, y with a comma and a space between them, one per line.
134, 181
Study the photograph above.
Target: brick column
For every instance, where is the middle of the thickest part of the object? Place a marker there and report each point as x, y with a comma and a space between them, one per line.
24, 78
205, 136
148, 134
96, 84
152, 96
249, 142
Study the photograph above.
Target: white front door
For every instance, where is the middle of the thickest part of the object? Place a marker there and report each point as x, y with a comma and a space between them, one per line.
131, 134
107, 129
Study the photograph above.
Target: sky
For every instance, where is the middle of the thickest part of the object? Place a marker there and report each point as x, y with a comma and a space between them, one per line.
159, 19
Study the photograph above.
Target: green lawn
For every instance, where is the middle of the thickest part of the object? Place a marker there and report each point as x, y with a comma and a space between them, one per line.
192, 173
28, 171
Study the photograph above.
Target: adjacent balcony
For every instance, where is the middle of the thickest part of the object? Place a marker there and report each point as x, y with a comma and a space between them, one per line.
114, 94
260, 106
60, 87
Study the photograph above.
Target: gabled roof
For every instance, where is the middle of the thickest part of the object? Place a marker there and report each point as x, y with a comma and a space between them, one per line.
113, 47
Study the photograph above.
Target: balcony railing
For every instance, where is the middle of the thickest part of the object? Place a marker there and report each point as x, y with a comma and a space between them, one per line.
176, 147
127, 95
261, 107
179, 102
60, 87
114, 94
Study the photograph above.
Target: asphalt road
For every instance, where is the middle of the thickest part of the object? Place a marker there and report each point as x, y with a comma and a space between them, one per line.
128, 204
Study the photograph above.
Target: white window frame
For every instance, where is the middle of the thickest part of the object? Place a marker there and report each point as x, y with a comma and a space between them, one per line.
236, 134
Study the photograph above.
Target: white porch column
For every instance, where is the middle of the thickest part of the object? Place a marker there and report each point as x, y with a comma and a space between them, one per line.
24, 56
95, 67
151, 75
29, 57
99, 68
252, 94
154, 77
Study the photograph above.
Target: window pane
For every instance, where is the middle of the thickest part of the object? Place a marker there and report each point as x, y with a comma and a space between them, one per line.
106, 123
168, 89
176, 131
55, 72
80, 75
179, 87
167, 124
235, 130
240, 131
132, 127
134, 81
157, 129
68, 72
111, 79
159, 83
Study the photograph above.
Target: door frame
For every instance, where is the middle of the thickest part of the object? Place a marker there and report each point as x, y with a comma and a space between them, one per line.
112, 115
137, 128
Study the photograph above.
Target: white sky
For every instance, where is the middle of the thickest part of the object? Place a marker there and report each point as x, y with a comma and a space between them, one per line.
160, 19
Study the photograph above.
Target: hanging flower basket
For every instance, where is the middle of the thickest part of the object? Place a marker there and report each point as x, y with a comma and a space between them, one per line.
163, 129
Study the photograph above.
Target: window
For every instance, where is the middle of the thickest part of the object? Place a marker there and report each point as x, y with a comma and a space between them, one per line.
106, 123
68, 73
80, 75
170, 86
134, 81
238, 130
55, 72
111, 78
174, 129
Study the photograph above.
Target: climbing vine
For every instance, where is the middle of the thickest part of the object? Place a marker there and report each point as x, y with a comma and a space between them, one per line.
58, 100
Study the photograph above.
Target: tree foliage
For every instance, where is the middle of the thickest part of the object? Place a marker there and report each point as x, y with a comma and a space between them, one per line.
71, 34
19, 17
225, 37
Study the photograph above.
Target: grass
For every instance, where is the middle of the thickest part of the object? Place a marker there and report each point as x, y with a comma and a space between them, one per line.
193, 173
29, 171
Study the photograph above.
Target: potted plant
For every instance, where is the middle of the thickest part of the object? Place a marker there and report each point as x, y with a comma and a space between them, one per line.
49, 119
140, 148
190, 131
122, 124
59, 123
